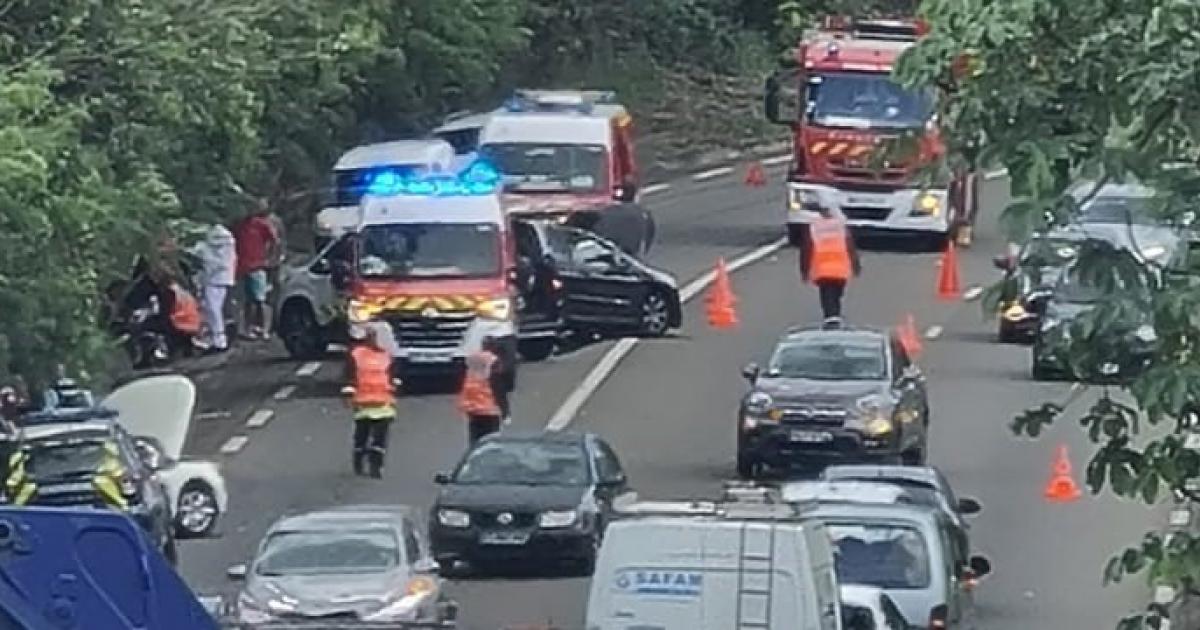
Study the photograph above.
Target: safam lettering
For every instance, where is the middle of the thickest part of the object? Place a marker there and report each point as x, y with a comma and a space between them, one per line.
660, 582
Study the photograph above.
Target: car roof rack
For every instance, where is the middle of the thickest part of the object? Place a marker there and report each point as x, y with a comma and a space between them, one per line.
739, 500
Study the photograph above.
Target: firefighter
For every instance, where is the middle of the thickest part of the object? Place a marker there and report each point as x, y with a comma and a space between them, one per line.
372, 396
483, 398
828, 259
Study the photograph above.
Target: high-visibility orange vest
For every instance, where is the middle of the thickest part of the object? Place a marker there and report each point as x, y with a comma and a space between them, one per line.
476, 397
185, 311
372, 375
830, 256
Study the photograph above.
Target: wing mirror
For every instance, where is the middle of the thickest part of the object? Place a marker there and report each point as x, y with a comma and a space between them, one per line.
751, 372
1003, 263
978, 567
149, 452
425, 565
616, 480
236, 572
969, 507
855, 618
321, 267
340, 275
441, 478
626, 193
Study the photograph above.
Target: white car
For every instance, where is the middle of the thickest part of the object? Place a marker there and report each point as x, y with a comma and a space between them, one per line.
158, 411
869, 608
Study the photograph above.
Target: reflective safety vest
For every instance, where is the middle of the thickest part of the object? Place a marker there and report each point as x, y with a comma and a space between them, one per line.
372, 376
185, 311
20, 489
830, 255
476, 397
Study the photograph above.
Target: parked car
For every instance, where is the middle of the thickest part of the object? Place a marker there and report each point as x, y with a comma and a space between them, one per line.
843, 394
354, 563
536, 498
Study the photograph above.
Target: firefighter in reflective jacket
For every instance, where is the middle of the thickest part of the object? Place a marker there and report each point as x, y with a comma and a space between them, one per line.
20, 489
828, 259
372, 396
482, 388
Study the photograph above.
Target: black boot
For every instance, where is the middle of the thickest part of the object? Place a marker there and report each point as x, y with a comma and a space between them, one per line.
375, 459
358, 462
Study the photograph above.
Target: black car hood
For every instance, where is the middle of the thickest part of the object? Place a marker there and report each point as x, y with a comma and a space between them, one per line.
506, 497
796, 390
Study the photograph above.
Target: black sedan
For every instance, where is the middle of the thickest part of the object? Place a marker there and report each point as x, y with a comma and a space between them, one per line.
526, 498
847, 394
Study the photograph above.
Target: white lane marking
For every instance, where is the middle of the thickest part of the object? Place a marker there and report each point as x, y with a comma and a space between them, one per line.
234, 444
995, 174
709, 174
656, 188
260, 418
336, 347
1181, 518
285, 392
213, 415
778, 159
933, 332
605, 366
972, 293
308, 369
1164, 595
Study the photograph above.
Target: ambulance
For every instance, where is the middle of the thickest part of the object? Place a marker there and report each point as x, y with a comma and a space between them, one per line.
561, 152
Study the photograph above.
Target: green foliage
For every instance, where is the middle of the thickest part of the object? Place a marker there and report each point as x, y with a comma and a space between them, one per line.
1065, 91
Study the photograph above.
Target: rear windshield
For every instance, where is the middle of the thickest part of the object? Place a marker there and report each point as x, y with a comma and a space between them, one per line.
66, 458
831, 358
883, 556
1112, 209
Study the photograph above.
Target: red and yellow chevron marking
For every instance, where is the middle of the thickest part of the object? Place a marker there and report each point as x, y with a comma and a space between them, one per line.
420, 302
835, 149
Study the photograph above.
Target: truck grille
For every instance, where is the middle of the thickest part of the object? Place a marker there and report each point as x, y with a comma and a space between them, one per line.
815, 415
865, 214
844, 169
487, 519
443, 330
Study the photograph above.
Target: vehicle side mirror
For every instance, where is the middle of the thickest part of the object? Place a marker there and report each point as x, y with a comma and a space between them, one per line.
625, 193
969, 507
855, 618
979, 567
321, 267
441, 478
150, 454
1003, 263
340, 276
751, 372
616, 480
425, 565
237, 572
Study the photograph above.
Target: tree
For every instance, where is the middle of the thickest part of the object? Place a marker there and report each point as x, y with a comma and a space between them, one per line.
1100, 91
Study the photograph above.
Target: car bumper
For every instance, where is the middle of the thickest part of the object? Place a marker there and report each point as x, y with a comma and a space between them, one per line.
888, 212
542, 546
1024, 327
779, 446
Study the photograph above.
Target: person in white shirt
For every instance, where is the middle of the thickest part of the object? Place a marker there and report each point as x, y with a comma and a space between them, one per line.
218, 256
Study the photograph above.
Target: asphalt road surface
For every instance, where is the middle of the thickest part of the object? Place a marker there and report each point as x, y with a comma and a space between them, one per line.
669, 412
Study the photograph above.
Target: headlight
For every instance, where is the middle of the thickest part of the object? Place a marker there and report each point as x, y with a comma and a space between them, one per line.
280, 607
872, 403
878, 425
454, 518
800, 199
415, 593
759, 403
250, 611
1014, 312
927, 204
1154, 251
499, 308
1145, 333
360, 312
564, 518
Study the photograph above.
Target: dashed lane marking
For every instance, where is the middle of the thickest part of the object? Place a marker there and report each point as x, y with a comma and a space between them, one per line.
285, 392
972, 293
570, 408
710, 174
234, 444
260, 418
655, 188
778, 159
214, 415
933, 332
308, 369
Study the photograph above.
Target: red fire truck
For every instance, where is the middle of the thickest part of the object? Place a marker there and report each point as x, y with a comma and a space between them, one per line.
861, 142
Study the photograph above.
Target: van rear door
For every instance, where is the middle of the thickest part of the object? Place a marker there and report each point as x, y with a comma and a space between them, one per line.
647, 577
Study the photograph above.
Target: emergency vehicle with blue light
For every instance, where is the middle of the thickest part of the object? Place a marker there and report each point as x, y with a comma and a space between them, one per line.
561, 152
863, 144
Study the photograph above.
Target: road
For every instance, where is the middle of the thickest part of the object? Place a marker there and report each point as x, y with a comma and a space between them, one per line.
669, 412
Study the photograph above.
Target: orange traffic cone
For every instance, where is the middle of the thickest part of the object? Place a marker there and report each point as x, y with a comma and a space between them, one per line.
721, 301
1062, 487
755, 176
909, 338
948, 287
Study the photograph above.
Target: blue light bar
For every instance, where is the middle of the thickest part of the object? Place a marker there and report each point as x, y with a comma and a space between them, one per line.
479, 178
66, 416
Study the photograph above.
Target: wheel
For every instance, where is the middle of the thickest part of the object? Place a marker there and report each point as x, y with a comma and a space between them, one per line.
1038, 368
656, 314
747, 466
197, 512
795, 234
1005, 333
587, 564
301, 334
537, 349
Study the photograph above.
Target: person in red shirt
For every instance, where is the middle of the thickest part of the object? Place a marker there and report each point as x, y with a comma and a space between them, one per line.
256, 240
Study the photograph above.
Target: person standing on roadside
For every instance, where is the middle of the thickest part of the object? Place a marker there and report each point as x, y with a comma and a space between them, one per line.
257, 241
372, 396
828, 259
484, 398
218, 256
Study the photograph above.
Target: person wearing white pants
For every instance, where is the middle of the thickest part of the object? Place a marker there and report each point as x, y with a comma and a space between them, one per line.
218, 253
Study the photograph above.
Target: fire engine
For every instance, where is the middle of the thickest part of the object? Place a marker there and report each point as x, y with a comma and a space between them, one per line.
561, 152
846, 114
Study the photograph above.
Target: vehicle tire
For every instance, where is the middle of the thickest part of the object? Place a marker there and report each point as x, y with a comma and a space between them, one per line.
301, 334
747, 466
1006, 334
170, 551
587, 564
196, 512
656, 314
795, 234
536, 350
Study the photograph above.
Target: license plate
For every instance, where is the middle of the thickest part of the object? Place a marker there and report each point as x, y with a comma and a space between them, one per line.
867, 200
429, 357
812, 437
504, 538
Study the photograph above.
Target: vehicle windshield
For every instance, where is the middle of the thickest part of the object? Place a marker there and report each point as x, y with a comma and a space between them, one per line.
1076, 287
830, 358
862, 100
525, 463
49, 459
1121, 210
329, 551
430, 250
550, 168
883, 556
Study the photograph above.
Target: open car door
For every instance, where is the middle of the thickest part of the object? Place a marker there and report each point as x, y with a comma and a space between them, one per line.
158, 407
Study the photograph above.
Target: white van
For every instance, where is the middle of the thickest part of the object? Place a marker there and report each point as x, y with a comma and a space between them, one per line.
714, 566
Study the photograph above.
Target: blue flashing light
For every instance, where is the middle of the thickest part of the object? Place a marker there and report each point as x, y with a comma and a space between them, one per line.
479, 178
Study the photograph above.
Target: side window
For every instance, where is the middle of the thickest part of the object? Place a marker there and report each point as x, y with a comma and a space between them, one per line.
589, 252
900, 360
338, 251
528, 244
412, 545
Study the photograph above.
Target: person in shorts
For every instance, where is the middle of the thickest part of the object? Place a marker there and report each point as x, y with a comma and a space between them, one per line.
256, 241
